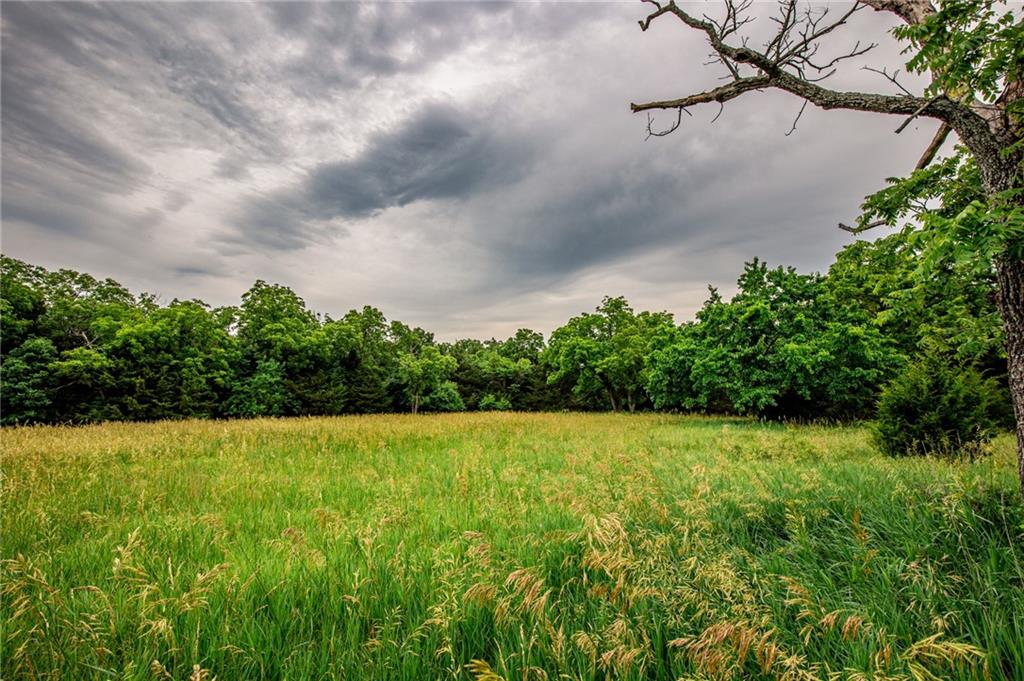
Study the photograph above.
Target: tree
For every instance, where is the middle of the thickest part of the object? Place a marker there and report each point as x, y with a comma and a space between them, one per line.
777, 349
175, 361
974, 53
445, 397
606, 351
264, 393
423, 374
21, 303
25, 377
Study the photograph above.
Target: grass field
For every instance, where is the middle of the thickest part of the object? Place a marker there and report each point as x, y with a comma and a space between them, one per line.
503, 545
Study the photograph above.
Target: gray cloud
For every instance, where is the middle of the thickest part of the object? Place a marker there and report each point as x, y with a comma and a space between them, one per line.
438, 153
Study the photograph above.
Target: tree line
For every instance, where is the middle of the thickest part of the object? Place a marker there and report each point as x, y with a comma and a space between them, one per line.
75, 349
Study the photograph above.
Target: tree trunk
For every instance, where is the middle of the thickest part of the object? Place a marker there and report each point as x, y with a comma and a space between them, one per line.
415, 404
608, 389
1010, 274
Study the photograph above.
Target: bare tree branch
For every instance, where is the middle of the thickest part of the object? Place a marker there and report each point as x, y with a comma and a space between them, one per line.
797, 119
720, 94
892, 78
667, 131
914, 115
933, 148
862, 228
790, 54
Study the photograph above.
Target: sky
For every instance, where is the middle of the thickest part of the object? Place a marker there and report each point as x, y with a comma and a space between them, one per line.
470, 167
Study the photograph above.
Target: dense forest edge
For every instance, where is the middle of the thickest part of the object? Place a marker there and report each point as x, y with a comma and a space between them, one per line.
788, 345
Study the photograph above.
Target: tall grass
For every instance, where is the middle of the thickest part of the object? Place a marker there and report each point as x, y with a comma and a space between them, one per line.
504, 546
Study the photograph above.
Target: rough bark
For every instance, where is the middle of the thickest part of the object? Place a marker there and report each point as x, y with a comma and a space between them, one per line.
1010, 274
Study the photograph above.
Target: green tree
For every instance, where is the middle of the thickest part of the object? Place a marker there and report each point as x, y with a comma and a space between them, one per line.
777, 349
935, 408
421, 375
605, 352
445, 397
26, 383
264, 393
85, 386
21, 303
175, 361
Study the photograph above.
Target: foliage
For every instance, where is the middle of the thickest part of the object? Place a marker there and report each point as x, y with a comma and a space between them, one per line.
264, 393
444, 397
423, 374
606, 352
779, 348
936, 408
495, 403
968, 47
788, 345
25, 377
583, 546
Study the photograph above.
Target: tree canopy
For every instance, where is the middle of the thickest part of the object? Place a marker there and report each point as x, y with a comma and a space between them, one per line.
786, 345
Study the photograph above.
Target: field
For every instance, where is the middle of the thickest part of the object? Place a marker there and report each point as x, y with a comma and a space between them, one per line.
503, 546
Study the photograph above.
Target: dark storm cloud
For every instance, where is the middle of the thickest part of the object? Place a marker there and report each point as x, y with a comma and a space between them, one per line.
439, 153
342, 45
42, 121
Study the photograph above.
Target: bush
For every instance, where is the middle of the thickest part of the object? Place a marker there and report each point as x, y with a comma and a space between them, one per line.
935, 408
491, 402
445, 397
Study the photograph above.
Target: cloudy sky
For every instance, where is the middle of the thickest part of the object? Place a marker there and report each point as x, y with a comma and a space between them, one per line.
467, 167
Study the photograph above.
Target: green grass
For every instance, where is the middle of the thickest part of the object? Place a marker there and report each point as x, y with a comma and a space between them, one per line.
523, 546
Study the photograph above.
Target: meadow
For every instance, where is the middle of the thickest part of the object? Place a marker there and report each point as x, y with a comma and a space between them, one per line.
504, 546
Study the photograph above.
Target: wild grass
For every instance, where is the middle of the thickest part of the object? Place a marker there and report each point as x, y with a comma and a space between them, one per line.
503, 546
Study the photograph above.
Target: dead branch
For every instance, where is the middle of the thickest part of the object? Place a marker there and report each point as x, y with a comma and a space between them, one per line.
862, 228
797, 119
933, 148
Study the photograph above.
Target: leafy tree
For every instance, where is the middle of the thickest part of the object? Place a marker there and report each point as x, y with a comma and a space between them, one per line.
491, 402
501, 375
777, 349
21, 303
275, 324
445, 397
262, 394
85, 385
421, 375
371, 363
972, 204
176, 361
606, 351
469, 374
82, 310
915, 302
26, 382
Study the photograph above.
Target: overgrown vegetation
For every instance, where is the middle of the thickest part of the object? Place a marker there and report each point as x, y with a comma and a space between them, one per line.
934, 409
504, 546
787, 345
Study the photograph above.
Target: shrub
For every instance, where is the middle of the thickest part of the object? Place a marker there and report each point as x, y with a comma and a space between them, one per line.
445, 397
262, 394
491, 402
936, 408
